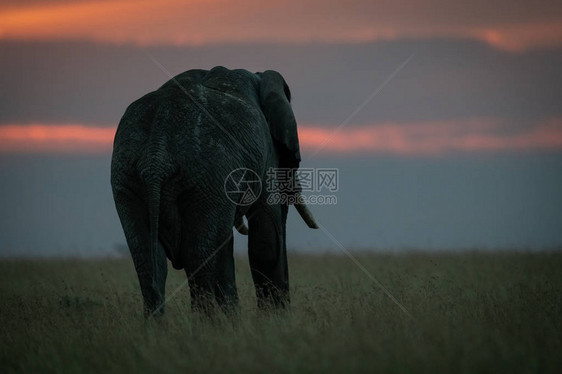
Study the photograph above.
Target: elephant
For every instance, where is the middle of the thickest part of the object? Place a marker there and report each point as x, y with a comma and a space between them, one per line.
174, 148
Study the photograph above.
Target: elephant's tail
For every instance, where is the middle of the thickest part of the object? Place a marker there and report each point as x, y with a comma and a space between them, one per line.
154, 188
152, 178
155, 167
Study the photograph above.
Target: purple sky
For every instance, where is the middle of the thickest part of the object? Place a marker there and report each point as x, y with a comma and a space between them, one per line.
459, 148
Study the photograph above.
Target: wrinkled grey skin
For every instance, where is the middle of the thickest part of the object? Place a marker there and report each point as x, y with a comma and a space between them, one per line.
172, 154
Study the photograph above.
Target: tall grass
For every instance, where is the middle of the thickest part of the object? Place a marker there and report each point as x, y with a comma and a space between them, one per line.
473, 312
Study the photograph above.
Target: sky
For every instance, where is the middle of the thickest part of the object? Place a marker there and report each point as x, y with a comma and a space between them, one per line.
443, 118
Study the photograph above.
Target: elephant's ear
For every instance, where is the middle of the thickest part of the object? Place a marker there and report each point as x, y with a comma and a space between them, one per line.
275, 104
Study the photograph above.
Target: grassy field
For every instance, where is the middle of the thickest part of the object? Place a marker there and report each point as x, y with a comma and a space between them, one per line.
474, 312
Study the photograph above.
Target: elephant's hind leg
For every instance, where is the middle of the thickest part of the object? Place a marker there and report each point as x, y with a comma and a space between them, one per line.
226, 294
211, 278
268, 256
152, 268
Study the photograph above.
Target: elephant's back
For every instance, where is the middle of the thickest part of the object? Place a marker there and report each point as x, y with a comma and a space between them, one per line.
200, 121
206, 129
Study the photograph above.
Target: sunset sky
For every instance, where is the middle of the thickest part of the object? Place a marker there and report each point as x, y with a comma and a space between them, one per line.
453, 90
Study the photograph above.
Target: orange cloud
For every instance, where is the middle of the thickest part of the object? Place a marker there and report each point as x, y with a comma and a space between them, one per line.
504, 24
517, 38
55, 139
431, 138
406, 139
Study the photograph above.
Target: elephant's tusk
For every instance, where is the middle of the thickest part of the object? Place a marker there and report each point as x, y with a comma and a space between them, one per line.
305, 213
241, 226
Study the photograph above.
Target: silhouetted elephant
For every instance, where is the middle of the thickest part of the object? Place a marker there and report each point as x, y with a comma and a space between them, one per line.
173, 153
